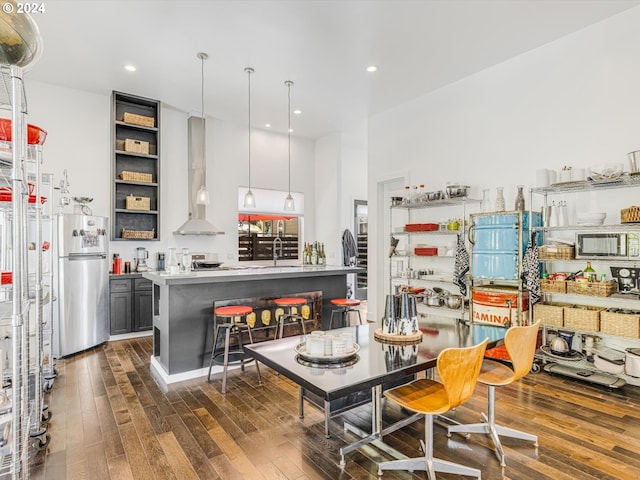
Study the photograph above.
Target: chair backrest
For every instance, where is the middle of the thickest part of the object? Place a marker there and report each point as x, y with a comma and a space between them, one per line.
458, 369
520, 342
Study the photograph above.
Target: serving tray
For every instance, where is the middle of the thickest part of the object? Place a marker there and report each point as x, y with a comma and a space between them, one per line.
301, 350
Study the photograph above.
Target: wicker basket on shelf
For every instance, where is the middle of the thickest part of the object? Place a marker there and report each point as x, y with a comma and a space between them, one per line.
620, 324
593, 289
137, 203
136, 119
553, 286
582, 317
630, 215
556, 252
136, 176
550, 314
138, 234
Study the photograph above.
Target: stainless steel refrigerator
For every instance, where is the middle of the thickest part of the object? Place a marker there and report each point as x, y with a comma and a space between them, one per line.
83, 283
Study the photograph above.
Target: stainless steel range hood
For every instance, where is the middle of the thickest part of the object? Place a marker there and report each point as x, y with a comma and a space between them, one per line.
197, 223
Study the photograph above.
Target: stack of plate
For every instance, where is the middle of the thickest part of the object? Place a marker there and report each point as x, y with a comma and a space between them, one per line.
591, 219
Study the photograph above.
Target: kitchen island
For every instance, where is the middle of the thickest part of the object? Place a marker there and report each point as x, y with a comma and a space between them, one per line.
183, 308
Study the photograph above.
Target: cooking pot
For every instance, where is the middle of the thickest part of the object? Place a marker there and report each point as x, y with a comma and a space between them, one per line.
632, 362
453, 301
559, 345
433, 299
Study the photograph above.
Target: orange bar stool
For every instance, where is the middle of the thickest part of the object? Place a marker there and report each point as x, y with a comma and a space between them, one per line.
289, 316
225, 355
346, 307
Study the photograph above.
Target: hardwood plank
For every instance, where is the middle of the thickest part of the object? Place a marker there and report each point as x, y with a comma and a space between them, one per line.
177, 459
136, 456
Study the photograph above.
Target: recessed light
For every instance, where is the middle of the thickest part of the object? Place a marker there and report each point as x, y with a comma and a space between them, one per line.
297, 112
130, 68
268, 125
291, 130
371, 68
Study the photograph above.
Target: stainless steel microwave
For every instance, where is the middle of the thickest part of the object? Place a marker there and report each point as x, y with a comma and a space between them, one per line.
610, 245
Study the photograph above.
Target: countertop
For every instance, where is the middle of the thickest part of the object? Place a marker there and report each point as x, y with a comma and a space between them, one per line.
249, 273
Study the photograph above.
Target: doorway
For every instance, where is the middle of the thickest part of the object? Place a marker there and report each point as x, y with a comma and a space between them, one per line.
360, 213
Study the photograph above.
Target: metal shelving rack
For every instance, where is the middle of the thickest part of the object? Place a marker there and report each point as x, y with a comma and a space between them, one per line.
617, 300
21, 417
445, 279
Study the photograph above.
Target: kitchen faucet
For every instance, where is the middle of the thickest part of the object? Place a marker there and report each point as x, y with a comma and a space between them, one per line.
275, 253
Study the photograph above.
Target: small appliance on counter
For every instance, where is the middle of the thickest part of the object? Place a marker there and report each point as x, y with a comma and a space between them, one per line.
205, 261
627, 278
141, 259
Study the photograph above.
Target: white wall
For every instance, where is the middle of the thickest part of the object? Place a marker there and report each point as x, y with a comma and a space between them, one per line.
571, 102
79, 128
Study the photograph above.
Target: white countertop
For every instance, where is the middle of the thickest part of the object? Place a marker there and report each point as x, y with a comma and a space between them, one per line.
234, 274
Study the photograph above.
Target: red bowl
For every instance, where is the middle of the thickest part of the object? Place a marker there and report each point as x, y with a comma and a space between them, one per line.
35, 135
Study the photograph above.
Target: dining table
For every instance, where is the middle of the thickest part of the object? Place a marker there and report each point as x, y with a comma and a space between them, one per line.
337, 384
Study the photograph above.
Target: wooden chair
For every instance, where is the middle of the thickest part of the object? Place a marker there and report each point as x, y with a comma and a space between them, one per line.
520, 343
458, 369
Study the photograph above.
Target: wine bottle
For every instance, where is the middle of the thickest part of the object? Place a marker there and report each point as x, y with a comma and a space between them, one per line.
590, 273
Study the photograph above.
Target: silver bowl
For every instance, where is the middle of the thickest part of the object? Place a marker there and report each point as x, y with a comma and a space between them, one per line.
457, 191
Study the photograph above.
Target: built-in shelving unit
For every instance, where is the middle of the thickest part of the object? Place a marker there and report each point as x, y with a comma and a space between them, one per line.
136, 152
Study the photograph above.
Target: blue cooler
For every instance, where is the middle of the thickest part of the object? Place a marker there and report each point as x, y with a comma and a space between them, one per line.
494, 239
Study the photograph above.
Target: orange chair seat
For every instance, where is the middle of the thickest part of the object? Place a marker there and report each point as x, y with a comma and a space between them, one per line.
288, 301
345, 302
495, 373
232, 310
422, 396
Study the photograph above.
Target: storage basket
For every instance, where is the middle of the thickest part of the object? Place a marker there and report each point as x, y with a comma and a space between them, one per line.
136, 146
593, 289
556, 252
137, 203
136, 176
580, 317
553, 286
136, 119
551, 314
138, 234
620, 324
630, 215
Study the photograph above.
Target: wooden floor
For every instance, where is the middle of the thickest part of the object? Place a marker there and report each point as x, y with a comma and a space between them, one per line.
110, 421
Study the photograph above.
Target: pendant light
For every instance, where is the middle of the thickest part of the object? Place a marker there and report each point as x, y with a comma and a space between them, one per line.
289, 204
249, 198
202, 196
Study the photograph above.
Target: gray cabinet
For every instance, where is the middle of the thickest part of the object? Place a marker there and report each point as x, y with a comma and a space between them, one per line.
142, 304
131, 304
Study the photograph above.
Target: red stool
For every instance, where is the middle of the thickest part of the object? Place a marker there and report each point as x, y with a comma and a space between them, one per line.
289, 303
346, 307
231, 327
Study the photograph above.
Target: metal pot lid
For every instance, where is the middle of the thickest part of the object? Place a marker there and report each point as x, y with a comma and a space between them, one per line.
634, 351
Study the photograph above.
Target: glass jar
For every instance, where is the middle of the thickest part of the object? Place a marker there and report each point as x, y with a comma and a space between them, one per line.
172, 262
500, 205
485, 205
185, 264
519, 205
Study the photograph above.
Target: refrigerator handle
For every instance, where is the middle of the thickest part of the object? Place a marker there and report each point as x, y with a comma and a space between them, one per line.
86, 256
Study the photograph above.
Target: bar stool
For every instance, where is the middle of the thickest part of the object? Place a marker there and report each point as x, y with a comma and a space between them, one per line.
289, 303
346, 307
230, 327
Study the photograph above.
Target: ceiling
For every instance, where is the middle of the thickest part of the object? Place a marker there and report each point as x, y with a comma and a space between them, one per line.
323, 46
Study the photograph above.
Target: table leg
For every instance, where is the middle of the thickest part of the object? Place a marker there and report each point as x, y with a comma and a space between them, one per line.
301, 400
377, 433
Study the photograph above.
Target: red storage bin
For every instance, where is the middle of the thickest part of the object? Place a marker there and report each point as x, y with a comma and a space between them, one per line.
35, 135
421, 227
426, 251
